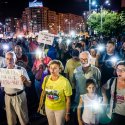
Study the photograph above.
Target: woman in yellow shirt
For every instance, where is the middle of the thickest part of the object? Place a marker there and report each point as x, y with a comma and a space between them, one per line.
58, 92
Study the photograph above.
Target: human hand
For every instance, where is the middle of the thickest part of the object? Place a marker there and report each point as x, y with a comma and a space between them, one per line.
80, 122
23, 78
67, 117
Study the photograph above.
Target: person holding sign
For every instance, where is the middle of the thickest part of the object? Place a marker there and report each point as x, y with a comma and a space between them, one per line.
15, 98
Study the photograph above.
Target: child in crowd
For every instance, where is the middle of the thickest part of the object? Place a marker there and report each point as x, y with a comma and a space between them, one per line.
94, 56
91, 104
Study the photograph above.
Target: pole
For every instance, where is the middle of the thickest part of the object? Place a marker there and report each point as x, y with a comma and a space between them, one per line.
101, 20
90, 6
90, 2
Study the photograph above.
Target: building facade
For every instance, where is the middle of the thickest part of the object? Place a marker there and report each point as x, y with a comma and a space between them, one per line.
35, 19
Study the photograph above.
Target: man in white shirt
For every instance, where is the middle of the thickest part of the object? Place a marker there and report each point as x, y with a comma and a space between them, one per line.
15, 99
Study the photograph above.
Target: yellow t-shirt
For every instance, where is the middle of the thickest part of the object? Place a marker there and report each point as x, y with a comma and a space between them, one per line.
69, 69
56, 92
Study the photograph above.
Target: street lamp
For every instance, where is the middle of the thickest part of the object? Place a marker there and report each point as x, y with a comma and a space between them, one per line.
107, 2
91, 3
101, 17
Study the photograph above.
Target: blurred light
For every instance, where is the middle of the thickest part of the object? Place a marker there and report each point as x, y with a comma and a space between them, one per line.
20, 36
101, 47
114, 59
96, 105
68, 41
84, 13
80, 38
94, 3
62, 34
45, 31
60, 39
5, 47
107, 2
40, 53
72, 33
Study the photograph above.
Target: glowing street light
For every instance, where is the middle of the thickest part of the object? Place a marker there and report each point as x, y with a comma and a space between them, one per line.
94, 3
101, 7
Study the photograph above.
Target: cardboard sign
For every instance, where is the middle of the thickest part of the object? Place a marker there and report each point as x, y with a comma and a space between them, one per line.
11, 78
45, 38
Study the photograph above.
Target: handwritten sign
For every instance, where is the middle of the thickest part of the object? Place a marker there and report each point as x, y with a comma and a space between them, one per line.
45, 38
11, 78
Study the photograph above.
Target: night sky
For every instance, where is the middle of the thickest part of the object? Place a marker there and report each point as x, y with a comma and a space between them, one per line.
14, 8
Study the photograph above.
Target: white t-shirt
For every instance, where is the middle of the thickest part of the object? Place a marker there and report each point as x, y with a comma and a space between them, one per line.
91, 109
93, 61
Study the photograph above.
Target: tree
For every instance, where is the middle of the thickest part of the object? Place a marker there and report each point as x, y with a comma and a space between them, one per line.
122, 17
110, 22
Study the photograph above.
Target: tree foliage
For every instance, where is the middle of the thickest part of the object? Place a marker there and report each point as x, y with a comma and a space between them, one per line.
110, 22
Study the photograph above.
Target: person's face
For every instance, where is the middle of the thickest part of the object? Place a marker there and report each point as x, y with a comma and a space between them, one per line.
84, 59
18, 50
73, 45
91, 88
54, 69
94, 43
92, 52
123, 45
110, 48
83, 43
120, 70
9, 60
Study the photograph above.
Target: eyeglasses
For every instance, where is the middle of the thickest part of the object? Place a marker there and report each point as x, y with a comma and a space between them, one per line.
120, 70
85, 60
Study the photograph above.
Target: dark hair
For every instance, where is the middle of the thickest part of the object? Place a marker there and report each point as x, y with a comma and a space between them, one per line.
120, 63
111, 42
91, 81
78, 45
75, 53
93, 47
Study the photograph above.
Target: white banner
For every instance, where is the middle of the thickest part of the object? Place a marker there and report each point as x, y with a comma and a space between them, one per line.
45, 38
11, 78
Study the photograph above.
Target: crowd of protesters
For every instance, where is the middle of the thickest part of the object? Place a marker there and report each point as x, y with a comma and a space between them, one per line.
89, 67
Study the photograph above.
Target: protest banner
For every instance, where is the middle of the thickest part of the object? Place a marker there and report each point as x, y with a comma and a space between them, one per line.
45, 38
11, 78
